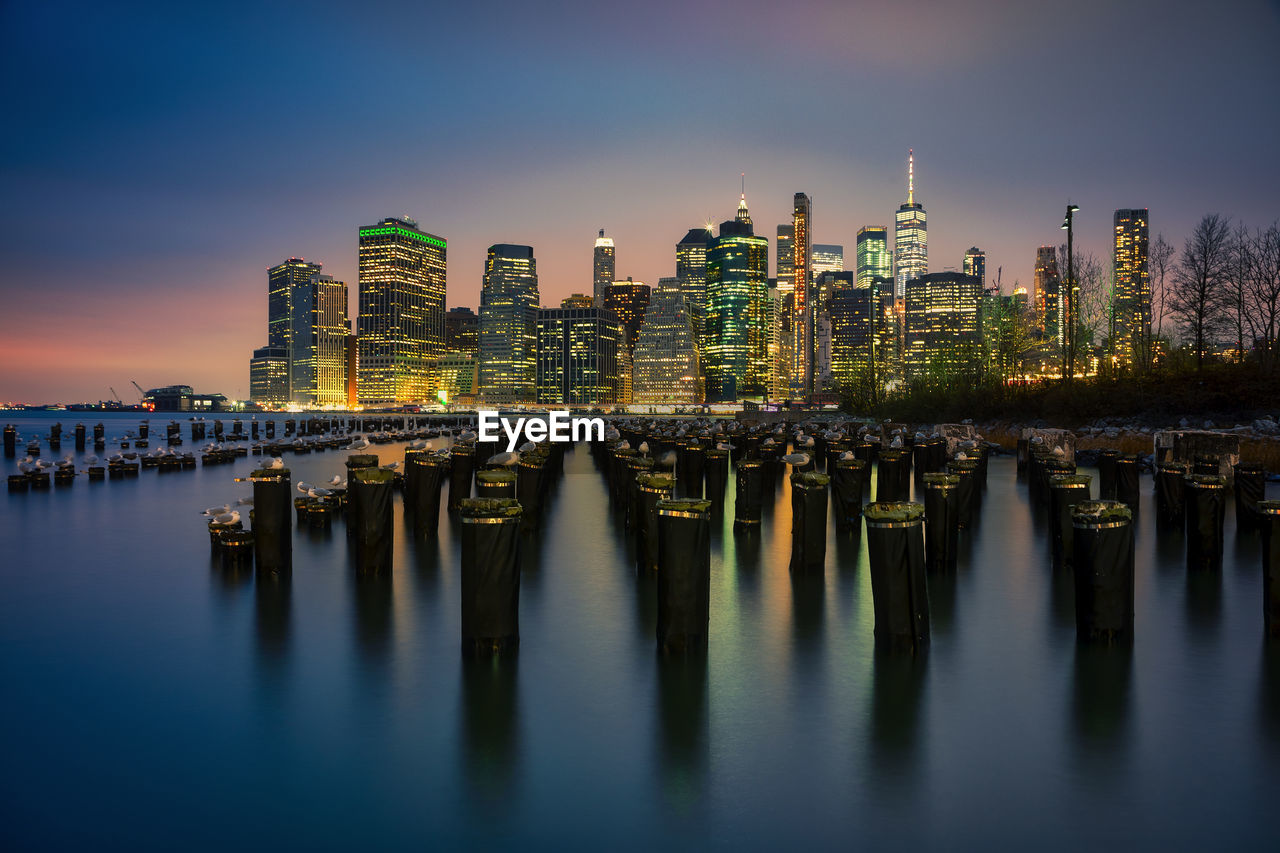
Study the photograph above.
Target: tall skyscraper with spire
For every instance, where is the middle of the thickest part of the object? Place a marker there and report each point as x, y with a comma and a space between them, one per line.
401, 325
737, 356
509, 326
1131, 299
602, 268
802, 322
911, 236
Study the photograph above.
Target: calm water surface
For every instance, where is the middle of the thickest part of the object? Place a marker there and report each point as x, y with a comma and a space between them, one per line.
152, 700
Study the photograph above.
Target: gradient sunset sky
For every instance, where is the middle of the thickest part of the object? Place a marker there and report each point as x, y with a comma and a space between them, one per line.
159, 157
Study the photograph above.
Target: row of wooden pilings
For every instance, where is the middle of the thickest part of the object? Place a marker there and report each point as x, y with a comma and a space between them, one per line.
1095, 539
672, 490
510, 502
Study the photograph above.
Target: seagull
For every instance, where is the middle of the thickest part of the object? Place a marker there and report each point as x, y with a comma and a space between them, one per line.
319, 493
644, 448
625, 445
799, 460
91, 460
896, 443
277, 463
215, 511
304, 486
506, 460
227, 518
337, 480
244, 502
848, 454
667, 460
527, 446
358, 444
720, 445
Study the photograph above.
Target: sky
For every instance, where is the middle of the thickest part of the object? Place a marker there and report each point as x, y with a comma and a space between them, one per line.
158, 158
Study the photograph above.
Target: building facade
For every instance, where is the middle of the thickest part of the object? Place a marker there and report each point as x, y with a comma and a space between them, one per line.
975, 264
941, 327
664, 364
462, 332
578, 362
691, 271
269, 376
1049, 305
802, 356
401, 323
873, 258
509, 326
628, 300
1131, 280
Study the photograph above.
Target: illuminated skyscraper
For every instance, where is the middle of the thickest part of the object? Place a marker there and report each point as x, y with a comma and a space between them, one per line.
691, 270
975, 264
1131, 299
911, 236
602, 268
318, 342
803, 322
827, 257
737, 352
628, 301
942, 329
509, 326
578, 356
874, 259
305, 360
577, 300
665, 360
1048, 302
784, 262
401, 324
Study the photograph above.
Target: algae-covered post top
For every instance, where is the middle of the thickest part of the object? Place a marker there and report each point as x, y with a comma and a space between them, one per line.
269, 475
493, 476
685, 507
1101, 514
373, 475
893, 513
810, 479
1173, 467
480, 509
1205, 481
1071, 481
656, 482
941, 480
362, 460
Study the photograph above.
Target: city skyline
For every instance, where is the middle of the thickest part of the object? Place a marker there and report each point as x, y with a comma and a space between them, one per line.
161, 163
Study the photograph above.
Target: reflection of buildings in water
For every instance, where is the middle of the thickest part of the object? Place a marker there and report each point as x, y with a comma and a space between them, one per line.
1100, 700
272, 594
373, 600
682, 729
489, 720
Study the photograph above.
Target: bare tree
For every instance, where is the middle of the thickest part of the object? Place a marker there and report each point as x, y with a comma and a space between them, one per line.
1199, 280
1160, 265
1091, 301
1262, 288
1236, 290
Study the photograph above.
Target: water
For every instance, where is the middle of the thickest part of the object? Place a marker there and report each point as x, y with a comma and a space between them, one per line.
150, 700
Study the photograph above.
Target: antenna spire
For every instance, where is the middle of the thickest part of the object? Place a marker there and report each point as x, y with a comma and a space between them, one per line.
911, 176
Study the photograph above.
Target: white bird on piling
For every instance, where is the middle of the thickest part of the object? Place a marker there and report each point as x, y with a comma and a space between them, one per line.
304, 486
644, 448
227, 517
91, 460
417, 445
215, 511
245, 502
848, 454
797, 459
506, 460
527, 446
720, 445
277, 463
667, 460
319, 493
336, 480
358, 444
467, 435
115, 457
896, 444
624, 445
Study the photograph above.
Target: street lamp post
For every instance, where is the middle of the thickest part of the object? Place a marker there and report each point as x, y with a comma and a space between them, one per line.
1069, 302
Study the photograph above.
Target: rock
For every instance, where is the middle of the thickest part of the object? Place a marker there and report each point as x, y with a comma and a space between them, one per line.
1208, 424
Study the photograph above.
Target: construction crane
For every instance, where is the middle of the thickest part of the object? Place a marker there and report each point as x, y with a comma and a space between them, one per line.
114, 395
142, 395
